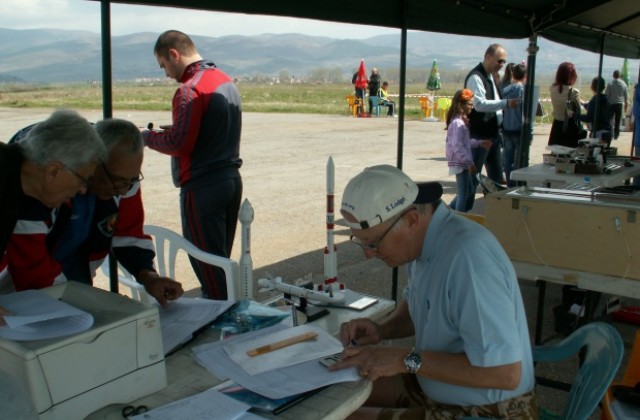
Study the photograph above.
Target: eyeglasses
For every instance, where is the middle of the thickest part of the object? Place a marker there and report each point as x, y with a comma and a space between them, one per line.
503, 62
373, 246
121, 183
83, 180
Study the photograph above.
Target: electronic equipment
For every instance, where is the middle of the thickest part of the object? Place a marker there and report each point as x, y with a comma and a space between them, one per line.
118, 360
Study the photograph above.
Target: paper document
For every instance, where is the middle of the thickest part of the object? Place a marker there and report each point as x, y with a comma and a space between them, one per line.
203, 406
274, 384
323, 345
352, 300
38, 316
184, 316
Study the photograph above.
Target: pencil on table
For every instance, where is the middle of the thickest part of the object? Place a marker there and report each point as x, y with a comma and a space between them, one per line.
282, 343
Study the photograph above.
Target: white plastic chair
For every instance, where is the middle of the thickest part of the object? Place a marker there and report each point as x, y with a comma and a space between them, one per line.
125, 278
178, 243
166, 262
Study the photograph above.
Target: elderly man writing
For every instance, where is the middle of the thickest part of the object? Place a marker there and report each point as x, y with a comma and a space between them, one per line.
472, 354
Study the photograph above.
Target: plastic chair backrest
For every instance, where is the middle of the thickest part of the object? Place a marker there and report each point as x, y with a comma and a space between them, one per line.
604, 350
166, 259
442, 105
125, 278
352, 102
425, 105
166, 263
375, 104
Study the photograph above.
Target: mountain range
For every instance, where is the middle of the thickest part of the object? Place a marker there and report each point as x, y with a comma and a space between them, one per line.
42, 56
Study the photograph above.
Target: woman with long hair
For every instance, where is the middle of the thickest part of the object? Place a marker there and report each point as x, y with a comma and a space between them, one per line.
563, 94
458, 150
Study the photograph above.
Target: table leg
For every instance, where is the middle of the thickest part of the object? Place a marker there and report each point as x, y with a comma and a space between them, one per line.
542, 289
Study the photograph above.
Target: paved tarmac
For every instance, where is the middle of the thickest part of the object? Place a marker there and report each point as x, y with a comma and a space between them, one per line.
285, 157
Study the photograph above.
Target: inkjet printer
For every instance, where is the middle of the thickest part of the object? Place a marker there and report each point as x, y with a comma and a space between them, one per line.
118, 360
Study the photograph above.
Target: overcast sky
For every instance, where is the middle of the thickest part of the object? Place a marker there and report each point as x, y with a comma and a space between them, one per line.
126, 19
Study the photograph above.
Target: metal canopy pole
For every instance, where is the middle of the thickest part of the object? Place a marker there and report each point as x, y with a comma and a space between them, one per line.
401, 101
107, 100
107, 107
526, 134
594, 123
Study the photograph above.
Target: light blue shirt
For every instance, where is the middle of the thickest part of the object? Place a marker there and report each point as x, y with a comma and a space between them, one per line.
463, 297
480, 101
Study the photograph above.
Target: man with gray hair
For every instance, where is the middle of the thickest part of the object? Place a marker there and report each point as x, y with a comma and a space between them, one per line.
109, 217
49, 168
485, 120
462, 304
52, 165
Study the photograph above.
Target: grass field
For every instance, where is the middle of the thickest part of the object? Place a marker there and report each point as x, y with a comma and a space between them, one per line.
289, 98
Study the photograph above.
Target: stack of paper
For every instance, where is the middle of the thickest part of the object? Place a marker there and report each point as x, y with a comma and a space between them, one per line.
185, 316
38, 316
278, 374
206, 405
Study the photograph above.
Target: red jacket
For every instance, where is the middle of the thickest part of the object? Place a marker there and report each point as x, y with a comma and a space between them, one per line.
44, 240
204, 140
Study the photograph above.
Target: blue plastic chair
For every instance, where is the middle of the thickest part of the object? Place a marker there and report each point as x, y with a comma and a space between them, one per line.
604, 350
602, 359
375, 101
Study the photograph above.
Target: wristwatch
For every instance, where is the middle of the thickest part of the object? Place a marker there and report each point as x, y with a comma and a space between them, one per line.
413, 361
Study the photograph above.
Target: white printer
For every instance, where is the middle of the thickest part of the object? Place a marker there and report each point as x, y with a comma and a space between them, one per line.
118, 360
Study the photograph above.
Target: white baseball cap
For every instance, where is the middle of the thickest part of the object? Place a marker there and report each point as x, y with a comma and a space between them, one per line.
380, 192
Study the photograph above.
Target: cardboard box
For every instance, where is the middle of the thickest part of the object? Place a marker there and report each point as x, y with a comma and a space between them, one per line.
551, 158
574, 231
565, 166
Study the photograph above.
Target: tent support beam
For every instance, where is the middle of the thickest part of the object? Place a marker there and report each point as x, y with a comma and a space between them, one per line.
594, 126
107, 106
401, 102
526, 134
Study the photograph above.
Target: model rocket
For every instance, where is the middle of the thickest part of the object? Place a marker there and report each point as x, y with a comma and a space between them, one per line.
246, 263
330, 251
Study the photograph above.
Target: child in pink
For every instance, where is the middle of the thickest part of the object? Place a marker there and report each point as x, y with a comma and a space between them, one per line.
459, 145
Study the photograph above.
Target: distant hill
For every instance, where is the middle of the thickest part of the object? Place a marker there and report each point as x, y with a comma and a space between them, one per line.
52, 55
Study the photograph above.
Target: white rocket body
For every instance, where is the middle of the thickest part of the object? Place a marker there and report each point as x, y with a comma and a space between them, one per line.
330, 251
246, 263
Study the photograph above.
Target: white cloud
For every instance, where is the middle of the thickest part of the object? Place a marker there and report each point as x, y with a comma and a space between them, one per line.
126, 19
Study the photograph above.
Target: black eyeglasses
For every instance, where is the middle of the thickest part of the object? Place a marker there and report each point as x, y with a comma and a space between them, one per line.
83, 180
121, 183
502, 62
373, 246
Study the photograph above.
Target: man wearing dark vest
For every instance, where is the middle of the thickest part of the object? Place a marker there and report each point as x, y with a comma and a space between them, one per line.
486, 117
